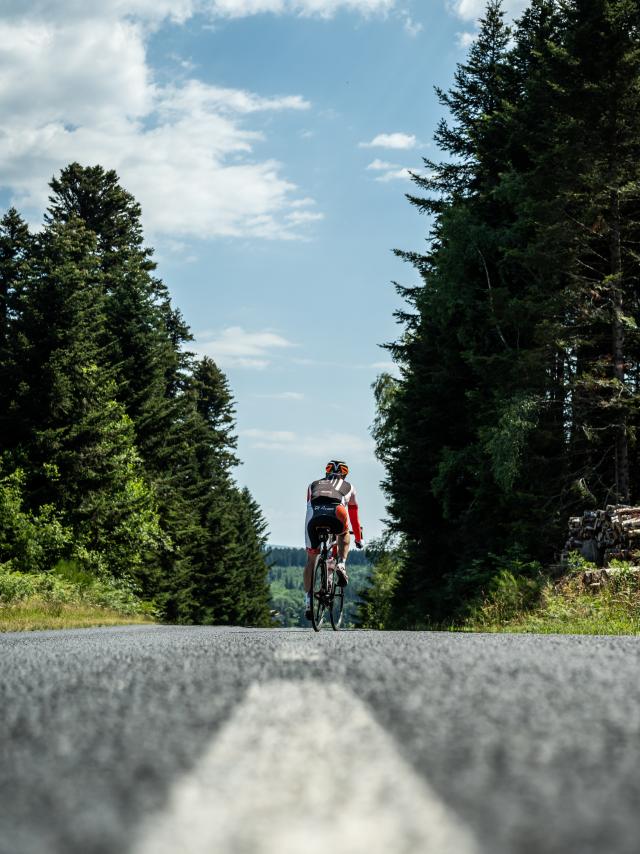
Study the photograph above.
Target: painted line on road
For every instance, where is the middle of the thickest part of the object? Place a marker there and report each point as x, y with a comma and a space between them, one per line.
302, 766
294, 652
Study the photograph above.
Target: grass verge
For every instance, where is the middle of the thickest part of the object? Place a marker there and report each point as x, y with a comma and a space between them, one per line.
66, 598
36, 614
574, 604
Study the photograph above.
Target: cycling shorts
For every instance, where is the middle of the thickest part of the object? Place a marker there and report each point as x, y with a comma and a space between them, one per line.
333, 517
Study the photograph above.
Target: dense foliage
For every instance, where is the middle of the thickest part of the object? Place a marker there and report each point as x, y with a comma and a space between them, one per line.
519, 361
116, 443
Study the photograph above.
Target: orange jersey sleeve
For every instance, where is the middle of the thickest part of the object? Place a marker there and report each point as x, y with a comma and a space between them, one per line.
354, 518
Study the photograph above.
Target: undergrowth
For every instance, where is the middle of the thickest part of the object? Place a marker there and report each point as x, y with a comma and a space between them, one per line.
574, 604
66, 597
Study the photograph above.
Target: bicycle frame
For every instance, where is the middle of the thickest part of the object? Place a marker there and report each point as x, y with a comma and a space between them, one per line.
327, 595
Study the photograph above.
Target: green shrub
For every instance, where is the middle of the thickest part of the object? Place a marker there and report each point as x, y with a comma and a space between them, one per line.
69, 584
509, 595
28, 542
567, 606
375, 608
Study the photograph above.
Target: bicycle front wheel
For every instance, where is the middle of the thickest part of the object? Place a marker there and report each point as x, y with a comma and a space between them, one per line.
319, 595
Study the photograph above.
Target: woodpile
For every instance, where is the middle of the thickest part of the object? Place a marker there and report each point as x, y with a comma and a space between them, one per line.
604, 535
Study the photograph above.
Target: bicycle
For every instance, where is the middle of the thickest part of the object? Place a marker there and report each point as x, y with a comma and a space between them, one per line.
326, 594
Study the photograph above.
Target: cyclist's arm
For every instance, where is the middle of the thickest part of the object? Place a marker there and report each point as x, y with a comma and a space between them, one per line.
354, 518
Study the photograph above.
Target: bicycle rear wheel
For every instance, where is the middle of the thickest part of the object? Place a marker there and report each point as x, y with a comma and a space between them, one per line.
318, 595
337, 607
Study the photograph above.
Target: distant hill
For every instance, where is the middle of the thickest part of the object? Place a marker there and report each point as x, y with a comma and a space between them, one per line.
291, 556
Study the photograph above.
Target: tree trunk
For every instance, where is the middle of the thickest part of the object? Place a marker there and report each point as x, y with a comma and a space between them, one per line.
622, 443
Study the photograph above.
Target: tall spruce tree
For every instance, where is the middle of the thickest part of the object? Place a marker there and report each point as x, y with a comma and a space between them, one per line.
78, 443
518, 392
455, 346
16, 245
142, 337
603, 49
123, 435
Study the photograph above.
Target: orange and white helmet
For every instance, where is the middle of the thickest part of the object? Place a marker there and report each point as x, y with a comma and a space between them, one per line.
337, 468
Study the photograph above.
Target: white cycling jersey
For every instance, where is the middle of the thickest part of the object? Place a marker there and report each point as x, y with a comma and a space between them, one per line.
338, 490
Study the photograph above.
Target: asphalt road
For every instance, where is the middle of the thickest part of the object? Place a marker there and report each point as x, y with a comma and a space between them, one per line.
147, 740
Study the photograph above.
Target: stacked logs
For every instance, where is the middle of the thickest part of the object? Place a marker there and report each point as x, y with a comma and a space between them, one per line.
604, 535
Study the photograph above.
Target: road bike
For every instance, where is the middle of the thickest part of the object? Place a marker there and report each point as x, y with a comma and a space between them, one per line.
327, 596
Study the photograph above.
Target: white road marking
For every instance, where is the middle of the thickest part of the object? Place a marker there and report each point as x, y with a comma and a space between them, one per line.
303, 768
291, 652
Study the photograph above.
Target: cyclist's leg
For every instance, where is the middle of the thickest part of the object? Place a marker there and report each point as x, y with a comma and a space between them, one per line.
343, 545
307, 578
343, 536
313, 550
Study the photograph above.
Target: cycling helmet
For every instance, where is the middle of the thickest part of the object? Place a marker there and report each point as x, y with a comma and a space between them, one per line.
337, 468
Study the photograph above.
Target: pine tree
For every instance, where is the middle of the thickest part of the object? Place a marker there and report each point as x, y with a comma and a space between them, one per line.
126, 440
16, 244
519, 362
603, 47
142, 345
454, 348
78, 441
142, 336
252, 570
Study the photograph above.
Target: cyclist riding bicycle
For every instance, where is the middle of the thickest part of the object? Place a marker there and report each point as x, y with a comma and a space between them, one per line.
331, 503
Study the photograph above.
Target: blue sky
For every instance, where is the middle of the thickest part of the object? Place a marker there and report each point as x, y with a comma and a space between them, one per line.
268, 142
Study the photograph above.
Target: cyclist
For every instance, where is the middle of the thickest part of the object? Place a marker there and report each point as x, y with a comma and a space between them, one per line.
331, 503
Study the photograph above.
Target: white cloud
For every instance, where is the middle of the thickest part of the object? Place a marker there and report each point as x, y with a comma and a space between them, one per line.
301, 217
394, 175
75, 80
378, 165
471, 10
465, 40
302, 203
196, 98
154, 11
391, 140
411, 27
236, 347
326, 444
307, 8
390, 171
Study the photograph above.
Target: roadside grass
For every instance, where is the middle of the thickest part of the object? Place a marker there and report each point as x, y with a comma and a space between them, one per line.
574, 604
35, 614
65, 598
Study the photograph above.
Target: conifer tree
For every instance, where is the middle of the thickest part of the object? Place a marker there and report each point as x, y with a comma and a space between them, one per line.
16, 244
518, 395
78, 441
126, 440
603, 47
454, 348
142, 350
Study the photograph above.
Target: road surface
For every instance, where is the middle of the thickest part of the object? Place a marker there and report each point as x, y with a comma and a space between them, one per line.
146, 740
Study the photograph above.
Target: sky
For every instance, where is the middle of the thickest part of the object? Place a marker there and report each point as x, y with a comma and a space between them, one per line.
269, 143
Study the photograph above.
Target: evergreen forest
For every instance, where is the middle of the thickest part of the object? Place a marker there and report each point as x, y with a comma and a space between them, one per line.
518, 388
117, 445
